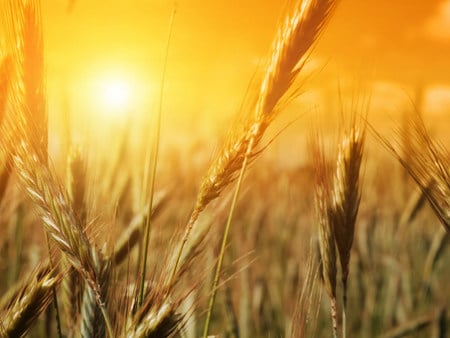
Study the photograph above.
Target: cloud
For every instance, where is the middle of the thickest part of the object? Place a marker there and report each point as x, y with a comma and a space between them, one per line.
438, 26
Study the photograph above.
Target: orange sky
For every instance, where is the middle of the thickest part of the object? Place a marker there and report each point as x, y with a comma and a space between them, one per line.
401, 36
217, 45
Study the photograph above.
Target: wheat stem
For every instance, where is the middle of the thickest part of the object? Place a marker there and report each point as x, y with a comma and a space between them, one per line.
143, 259
55, 298
107, 322
224, 241
344, 309
296, 35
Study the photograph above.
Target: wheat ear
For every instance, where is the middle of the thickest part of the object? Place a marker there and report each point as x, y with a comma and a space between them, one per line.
5, 78
72, 289
92, 321
296, 35
72, 284
133, 233
60, 222
31, 300
25, 38
308, 299
6, 75
76, 183
429, 167
324, 208
160, 321
157, 317
346, 198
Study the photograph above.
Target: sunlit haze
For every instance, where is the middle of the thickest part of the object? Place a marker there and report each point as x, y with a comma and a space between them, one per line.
115, 96
390, 48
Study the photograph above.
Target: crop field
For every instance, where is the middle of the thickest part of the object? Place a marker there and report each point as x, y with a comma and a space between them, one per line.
201, 169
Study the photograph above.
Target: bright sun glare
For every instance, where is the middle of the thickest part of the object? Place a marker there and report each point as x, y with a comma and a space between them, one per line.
115, 96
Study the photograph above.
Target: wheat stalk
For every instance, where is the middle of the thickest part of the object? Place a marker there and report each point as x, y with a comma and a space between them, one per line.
6, 71
157, 316
429, 167
72, 284
347, 193
308, 300
324, 209
132, 234
54, 207
346, 198
26, 131
144, 253
337, 201
59, 219
76, 183
296, 35
92, 322
25, 40
72, 289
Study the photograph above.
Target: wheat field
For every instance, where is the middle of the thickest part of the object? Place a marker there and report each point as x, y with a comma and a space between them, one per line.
110, 230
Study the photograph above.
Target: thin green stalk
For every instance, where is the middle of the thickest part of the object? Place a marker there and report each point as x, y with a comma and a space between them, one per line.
224, 240
143, 259
190, 225
107, 322
18, 245
344, 309
54, 296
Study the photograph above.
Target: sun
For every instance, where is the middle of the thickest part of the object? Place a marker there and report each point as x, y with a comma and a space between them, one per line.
115, 96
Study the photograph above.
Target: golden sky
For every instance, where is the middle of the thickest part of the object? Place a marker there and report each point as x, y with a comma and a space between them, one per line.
217, 45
